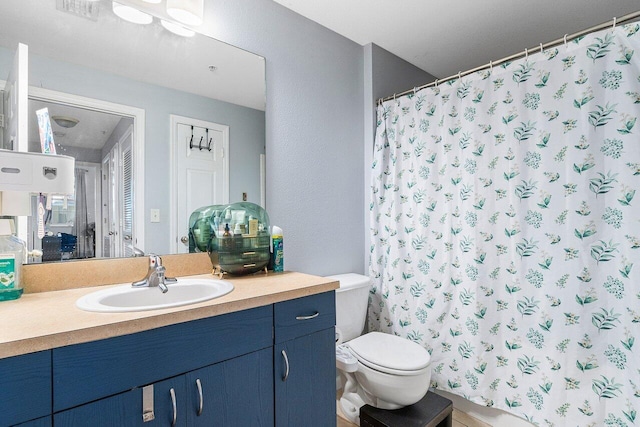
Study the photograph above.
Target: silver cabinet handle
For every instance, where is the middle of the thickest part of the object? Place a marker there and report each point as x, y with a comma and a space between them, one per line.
175, 407
201, 404
313, 316
286, 364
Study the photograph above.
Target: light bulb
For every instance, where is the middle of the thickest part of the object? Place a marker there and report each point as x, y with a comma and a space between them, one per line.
188, 12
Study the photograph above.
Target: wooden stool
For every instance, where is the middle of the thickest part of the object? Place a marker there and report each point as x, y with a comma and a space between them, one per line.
432, 411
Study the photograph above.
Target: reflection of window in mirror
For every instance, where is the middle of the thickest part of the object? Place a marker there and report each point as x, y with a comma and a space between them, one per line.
63, 211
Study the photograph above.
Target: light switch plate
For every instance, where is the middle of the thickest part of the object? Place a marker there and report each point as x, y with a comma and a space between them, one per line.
155, 215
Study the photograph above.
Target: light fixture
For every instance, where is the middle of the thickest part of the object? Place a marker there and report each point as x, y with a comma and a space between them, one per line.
65, 122
131, 14
152, 1
177, 29
188, 12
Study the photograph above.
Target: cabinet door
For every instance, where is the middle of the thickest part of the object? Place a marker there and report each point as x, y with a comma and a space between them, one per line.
305, 380
237, 392
125, 409
25, 387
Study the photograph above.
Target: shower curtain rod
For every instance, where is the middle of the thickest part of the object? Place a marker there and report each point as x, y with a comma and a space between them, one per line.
541, 47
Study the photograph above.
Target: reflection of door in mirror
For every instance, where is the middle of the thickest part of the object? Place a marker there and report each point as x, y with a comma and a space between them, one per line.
98, 218
117, 198
200, 172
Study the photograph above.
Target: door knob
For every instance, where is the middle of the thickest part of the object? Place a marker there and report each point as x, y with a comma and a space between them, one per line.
184, 239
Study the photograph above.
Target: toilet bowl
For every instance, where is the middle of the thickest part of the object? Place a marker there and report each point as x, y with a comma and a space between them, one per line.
381, 370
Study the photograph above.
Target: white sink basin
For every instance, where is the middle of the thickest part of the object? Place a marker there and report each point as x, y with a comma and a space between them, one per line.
119, 299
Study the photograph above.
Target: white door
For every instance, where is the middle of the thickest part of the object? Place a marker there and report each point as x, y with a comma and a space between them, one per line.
200, 172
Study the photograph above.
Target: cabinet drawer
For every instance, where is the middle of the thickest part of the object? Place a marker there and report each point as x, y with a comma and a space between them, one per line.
90, 371
25, 387
303, 316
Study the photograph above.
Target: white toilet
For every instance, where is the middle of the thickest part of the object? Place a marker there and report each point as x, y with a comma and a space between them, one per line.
382, 370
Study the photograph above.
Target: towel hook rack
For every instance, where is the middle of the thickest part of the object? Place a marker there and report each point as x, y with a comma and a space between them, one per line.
191, 140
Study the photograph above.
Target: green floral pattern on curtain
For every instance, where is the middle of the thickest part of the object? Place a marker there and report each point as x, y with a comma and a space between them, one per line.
506, 231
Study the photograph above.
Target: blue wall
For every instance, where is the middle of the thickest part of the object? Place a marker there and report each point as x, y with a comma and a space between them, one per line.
314, 122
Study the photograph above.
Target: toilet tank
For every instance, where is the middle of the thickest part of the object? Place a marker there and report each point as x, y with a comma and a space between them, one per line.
351, 304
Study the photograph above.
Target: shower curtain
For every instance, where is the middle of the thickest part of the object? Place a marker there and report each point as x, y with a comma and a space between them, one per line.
84, 243
505, 231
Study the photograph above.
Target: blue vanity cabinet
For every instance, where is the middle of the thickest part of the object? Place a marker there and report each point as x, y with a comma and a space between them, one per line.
25, 388
304, 361
265, 366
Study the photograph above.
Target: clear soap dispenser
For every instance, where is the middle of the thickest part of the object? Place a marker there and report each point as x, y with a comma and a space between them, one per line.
12, 255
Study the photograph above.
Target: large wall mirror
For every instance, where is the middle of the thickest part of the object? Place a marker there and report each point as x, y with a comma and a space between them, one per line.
159, 124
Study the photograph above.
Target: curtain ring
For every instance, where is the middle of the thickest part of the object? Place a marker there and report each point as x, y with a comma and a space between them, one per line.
459, 75
614, 22
491, 66
565, 40
526, 53
541, 49
436, 82
394, 96
414, 90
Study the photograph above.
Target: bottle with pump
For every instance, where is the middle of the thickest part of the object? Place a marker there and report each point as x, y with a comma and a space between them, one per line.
12, 255
278, 248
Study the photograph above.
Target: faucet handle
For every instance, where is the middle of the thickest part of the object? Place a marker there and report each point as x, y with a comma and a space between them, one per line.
154, 261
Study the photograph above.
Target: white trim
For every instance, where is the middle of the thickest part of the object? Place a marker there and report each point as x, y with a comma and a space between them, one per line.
138, 116
174, 121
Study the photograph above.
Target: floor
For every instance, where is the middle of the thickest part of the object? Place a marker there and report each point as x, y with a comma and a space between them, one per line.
460, 419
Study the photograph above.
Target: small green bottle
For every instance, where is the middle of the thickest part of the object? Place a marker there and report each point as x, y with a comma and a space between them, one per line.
12, 251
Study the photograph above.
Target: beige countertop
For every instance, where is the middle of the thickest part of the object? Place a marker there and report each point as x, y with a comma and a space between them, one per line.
46, 320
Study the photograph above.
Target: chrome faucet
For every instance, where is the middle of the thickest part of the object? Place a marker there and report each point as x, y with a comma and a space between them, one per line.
155, 276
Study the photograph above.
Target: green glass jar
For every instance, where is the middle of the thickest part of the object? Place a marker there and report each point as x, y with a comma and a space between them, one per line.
236, 236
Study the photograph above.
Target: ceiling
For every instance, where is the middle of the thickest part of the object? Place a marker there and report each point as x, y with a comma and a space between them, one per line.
92, 131
443, 37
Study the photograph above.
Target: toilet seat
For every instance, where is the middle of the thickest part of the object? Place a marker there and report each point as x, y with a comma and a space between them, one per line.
390, 354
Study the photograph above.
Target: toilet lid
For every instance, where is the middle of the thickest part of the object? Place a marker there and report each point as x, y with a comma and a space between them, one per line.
389, 353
